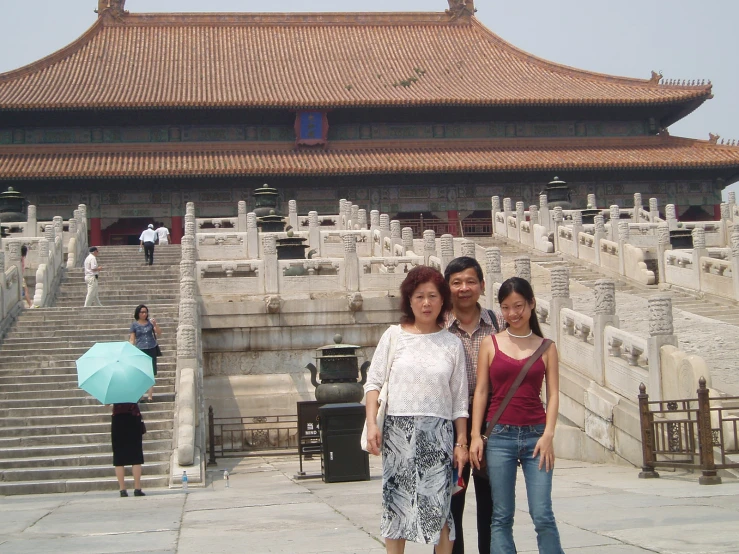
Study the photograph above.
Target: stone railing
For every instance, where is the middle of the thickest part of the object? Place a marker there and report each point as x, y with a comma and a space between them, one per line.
638, 250
189, 424
10, 294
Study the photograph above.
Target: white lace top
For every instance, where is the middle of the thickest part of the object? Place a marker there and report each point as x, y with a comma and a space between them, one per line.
427, 377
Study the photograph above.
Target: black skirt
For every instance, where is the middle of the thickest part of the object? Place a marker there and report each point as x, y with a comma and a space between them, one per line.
128, 442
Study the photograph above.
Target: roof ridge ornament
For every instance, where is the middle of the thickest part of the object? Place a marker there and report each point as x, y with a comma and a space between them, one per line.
713, 139
656, 78
116, 8
461, 9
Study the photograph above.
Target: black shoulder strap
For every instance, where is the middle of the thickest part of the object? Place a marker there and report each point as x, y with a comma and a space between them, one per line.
494, 319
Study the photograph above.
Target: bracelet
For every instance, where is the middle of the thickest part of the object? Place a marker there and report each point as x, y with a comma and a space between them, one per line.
457, 444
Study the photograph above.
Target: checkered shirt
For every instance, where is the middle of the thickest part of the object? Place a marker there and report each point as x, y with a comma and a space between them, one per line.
472, 342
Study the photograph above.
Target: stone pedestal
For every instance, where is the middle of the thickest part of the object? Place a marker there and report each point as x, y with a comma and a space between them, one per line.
660, 334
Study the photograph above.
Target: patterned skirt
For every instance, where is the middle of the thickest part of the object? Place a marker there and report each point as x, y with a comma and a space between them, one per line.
417, 478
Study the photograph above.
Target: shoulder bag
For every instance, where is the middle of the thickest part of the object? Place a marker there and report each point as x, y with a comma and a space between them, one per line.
482, 472
382, 399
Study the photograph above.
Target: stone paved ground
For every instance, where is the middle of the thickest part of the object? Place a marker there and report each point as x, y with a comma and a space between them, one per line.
601, 509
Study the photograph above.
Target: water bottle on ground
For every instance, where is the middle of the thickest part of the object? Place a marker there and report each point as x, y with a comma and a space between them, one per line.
225, 477
184, 481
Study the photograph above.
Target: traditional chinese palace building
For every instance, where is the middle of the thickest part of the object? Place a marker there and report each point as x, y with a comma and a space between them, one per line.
409, 113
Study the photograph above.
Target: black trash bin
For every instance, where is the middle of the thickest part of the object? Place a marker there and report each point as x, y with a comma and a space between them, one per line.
342, 457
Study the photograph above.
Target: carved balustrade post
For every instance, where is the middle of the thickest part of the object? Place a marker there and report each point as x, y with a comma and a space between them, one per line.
709, 475
592, 205
637, 208
446, 245
520, 218
646, 423
351, 263
271, 267
544, 218
493, 266
600, 234
314, 233
623, 240
560, 279
605, 315
355, 217
406, 234
653, 210
557, 221
734, 241
522, 267
384, 233
30, 230
661, 333
342, 213
663, 245
533, 219
429, 245
468, 249
395, 236
495, 203
576, 230
374, 226
671, 216
507, 209
241, 218
615, 213
14, 254
725, 219
190, 208
292, 215
699, 251
362, 219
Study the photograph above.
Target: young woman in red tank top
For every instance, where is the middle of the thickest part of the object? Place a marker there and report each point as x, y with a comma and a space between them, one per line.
524, 433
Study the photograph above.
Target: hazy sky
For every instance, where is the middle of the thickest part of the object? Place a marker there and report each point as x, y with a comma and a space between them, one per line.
684, 39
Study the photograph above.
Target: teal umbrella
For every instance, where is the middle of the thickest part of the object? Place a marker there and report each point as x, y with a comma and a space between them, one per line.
115, 372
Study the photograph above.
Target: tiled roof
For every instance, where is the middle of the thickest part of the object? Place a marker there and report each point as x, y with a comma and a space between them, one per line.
310, 61
104, 161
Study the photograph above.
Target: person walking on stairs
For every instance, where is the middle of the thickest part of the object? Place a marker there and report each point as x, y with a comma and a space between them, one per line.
147, 240
163, 234
143, 335
92, 270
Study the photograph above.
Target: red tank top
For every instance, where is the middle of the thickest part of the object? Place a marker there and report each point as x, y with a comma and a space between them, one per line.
525, 408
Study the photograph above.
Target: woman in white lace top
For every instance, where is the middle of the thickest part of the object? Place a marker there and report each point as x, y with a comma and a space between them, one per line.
427, 400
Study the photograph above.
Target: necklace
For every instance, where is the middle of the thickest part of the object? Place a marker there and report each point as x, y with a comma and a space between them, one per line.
519, 336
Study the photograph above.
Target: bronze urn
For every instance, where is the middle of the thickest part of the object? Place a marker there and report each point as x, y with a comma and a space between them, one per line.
338, 370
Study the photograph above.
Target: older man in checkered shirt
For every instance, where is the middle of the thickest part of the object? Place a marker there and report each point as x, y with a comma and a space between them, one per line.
471, 323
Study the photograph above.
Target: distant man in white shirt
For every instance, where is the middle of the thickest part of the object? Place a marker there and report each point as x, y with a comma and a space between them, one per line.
92, 269
163, 234
147, 240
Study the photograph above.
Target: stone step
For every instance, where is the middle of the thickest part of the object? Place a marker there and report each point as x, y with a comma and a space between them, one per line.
21, 345
11, 385
70, 392
62, 353
79, 419
78, 460
68, 401
75, 429
51, 452
107, 335
80, 485
91, 438
75, 472
165, 368
147, 408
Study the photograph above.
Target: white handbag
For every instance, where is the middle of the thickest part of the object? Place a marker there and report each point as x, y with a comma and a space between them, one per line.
382, 399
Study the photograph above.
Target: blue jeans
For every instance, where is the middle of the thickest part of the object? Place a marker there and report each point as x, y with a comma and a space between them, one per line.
509, 446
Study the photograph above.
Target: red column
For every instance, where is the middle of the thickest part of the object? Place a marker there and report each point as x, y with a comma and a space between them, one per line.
177, 229
453, 217
96, 233
717, 212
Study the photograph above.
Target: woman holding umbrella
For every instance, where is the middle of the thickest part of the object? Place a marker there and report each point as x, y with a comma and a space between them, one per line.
143, 335
127, 435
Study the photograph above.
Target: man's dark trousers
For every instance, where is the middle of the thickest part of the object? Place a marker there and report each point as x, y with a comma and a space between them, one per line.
484, 510
149, 252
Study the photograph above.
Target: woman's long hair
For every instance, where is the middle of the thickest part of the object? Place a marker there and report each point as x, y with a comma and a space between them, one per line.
522, 287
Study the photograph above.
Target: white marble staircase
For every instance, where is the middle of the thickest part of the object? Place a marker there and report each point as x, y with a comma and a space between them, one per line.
54, 437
